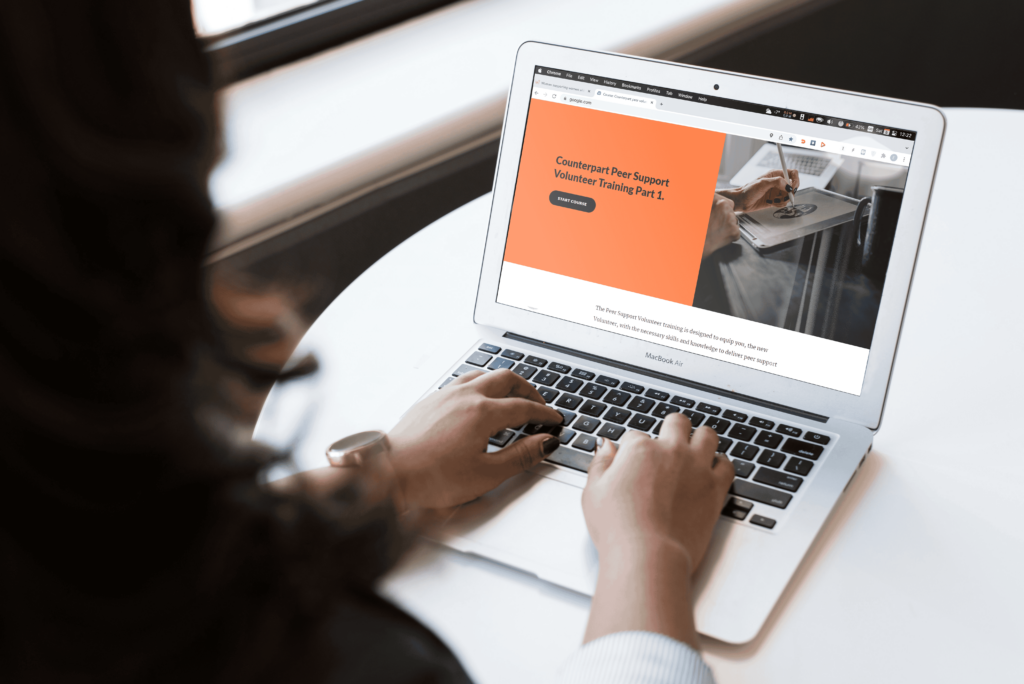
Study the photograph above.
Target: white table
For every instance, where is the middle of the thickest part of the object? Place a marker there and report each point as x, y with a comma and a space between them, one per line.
916, 578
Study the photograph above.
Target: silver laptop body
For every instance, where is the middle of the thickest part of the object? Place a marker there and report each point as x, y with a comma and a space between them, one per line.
797, 431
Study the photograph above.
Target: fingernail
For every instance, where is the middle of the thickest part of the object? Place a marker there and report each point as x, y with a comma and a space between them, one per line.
600, 442
789, 188
549, 446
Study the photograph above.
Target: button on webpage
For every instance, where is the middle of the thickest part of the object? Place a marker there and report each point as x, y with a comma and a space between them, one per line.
577, 202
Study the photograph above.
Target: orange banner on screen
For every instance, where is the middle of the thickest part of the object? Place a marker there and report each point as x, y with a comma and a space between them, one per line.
615, 200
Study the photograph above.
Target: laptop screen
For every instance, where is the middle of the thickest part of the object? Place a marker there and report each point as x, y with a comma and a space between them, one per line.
664, 215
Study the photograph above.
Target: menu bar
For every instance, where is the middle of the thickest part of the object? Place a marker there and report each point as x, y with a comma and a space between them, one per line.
595, 83
886, 152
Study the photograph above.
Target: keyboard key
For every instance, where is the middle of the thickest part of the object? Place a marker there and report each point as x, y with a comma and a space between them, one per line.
567, 416
817, 439
586, 424
481, 359
632, 387
502, 438
723, 445
489, 348
641, 422
708, 408
565, 435
695, 418
657, 394
569, 401
605, 380
762, 521
612, 432
745, 451
585, 443
499, 364
735, 415
617, 398
743, 432
737, 508
592, 391
569, 384
583, 374
719, 425
762, 423
800, 448
593, 408
742, 468
772, 477
765, 495
524, 371
463, 369
798, 466
537, 429
789, 430
573, 459
548, 394
547, 378
683, 401
640, 404
618, 415
657, 429
772, 459
536, 361
514, 355
768, 439
559, 368
662, 410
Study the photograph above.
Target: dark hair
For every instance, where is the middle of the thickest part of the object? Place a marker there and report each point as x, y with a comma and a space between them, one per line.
135, 541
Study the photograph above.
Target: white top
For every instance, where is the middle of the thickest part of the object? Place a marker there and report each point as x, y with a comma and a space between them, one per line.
915, 577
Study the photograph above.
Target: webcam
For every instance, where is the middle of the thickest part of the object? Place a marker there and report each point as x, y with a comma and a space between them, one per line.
716, 86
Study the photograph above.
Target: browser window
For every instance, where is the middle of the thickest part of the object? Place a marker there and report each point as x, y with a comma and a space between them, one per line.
666, 216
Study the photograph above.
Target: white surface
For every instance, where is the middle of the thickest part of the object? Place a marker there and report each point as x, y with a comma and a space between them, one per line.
916, 576
339, 122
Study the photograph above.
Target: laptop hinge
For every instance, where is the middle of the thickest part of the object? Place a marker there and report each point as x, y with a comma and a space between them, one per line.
710, 389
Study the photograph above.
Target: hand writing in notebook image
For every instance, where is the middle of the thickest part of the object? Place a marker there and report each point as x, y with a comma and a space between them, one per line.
768, 190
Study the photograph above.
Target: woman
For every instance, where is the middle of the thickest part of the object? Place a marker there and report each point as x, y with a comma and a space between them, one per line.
136, 541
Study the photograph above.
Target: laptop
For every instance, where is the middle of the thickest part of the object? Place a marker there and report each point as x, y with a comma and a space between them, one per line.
596, 287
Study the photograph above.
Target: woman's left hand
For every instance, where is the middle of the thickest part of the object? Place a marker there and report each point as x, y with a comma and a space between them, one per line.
768, 190
439, 448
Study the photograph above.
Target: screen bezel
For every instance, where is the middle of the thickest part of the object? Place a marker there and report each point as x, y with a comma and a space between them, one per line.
865, 409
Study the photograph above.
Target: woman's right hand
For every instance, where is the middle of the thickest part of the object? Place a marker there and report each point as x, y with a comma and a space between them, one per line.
655, 491
651, 506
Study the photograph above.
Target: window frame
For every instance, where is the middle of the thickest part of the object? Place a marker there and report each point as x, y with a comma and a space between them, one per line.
277, 40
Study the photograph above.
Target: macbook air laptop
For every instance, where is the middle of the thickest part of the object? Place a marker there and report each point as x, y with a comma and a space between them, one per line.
593, 289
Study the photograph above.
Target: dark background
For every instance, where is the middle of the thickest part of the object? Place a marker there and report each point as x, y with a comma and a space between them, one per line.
952, 54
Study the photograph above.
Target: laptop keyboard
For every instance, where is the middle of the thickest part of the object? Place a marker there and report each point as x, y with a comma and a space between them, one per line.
771, 459
804, 163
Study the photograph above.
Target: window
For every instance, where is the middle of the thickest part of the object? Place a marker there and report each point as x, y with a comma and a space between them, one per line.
246, 37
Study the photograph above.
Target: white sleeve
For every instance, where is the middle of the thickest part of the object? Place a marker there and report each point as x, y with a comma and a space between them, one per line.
636, 658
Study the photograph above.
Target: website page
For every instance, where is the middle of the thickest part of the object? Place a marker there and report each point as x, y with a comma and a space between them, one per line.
666, 216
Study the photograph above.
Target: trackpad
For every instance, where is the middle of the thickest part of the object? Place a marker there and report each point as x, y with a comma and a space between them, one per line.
532, 523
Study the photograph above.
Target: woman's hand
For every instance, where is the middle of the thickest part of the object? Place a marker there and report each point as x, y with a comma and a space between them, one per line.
723, 228
439, 448
651, 506
768, 190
